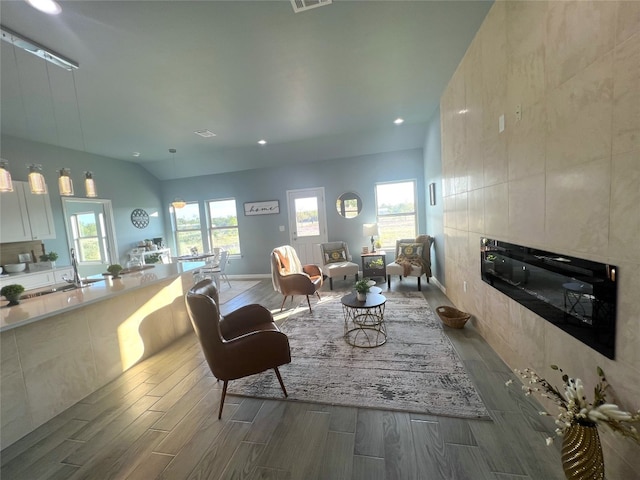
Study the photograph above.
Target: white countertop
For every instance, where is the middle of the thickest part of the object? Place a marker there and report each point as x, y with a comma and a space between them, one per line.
39, 308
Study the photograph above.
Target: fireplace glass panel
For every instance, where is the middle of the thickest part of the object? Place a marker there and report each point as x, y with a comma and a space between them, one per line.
579, 296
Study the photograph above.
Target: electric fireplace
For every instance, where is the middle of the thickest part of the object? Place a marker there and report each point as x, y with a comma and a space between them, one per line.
579, 296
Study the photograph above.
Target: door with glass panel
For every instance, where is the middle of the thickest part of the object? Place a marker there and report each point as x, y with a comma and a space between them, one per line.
90, 230
307, 222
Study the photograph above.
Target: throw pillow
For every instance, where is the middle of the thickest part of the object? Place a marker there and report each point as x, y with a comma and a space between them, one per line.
335, 256
409, 250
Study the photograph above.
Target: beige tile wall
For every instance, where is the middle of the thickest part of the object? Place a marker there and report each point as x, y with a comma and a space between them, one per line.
564, 178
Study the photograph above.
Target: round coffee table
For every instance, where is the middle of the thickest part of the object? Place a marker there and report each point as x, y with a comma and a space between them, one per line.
364, 320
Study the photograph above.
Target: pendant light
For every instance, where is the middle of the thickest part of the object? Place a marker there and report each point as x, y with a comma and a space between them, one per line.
90, 185
6, 184
65, 184
177, 202
37, 185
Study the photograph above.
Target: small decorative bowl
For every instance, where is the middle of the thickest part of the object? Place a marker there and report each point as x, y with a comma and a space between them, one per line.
15, 267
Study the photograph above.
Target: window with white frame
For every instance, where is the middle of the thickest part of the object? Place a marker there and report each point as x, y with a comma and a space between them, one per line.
223, 225
188, 228
396, 211
89, 239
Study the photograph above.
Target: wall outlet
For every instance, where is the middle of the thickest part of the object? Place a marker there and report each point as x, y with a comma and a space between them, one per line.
464, 285
281, 228
501, 124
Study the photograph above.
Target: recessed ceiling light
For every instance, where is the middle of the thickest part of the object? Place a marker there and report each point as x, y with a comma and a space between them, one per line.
262, 142
46, 6
205, 133
398, 121
136, 154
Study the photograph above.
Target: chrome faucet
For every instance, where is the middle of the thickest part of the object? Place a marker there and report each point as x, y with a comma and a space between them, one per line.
77, 281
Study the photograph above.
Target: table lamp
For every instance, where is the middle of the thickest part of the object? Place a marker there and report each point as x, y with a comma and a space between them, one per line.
370, 229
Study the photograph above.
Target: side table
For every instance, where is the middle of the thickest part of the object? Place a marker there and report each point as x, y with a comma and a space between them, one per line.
373, 265
364, 321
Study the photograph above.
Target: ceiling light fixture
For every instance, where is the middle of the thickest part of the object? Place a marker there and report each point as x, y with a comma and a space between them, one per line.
46, 6
136, 154
36, 49
65, 184
6, 184
399, 121
37, 185
262, 142
90, 185
177, 202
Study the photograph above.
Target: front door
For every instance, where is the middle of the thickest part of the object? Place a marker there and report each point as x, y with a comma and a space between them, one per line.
307, 222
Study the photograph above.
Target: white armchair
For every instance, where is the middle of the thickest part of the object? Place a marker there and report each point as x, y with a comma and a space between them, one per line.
412, 259
336, 261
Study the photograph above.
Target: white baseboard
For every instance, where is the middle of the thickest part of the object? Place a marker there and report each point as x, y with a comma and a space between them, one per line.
435, 281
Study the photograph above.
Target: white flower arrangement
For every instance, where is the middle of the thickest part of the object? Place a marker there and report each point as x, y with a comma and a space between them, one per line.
575, 409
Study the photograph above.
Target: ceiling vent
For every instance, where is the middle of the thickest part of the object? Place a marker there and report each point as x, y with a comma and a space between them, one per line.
302, 5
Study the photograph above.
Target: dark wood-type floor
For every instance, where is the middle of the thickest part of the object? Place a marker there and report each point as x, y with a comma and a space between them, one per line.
159, 421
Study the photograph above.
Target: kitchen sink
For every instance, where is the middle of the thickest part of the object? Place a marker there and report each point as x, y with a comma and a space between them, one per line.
61, 287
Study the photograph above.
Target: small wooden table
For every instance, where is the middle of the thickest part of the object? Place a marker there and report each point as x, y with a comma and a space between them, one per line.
364, 321
373, 265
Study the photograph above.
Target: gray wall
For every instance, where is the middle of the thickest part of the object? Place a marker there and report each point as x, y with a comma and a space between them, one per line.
434, 213
260, 234
126, 184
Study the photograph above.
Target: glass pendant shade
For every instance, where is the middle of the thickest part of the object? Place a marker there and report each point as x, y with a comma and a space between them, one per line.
65, 184
37, 185
178, 203
6, 184
90, 185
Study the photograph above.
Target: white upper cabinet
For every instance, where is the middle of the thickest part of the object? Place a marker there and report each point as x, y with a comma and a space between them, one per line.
25, 216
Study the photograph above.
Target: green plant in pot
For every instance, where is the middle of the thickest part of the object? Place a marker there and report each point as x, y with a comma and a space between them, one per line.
115, 269
362, 288
12, 293
49, 257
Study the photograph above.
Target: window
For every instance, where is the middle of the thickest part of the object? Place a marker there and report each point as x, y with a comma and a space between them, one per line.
188, 228
396, 211
223, 225
88, 237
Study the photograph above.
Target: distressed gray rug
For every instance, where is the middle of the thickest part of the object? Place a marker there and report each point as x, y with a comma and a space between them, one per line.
417, 370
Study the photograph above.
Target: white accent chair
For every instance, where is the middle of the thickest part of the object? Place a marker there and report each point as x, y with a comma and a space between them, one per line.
419, 247
336, 261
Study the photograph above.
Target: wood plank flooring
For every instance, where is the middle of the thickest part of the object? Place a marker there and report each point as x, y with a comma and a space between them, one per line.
159, 421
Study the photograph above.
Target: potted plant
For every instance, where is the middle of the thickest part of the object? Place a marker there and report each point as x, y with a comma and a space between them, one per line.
115, 269
49, 257
362, 288
12, 293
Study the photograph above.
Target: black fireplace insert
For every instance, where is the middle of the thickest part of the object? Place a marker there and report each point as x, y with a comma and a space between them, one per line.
579, 296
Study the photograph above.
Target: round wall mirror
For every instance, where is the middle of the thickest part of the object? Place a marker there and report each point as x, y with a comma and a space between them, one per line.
349, 205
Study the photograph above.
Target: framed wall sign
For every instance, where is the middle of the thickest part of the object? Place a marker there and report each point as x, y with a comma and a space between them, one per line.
262, 208
140, 218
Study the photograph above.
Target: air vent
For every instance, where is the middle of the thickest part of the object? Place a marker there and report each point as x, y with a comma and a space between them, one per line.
205, 133
302, 5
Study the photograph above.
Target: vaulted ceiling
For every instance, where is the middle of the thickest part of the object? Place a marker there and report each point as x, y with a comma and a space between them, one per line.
320, 84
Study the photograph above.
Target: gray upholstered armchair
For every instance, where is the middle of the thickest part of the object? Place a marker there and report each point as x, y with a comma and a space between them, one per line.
412, 259
336, 261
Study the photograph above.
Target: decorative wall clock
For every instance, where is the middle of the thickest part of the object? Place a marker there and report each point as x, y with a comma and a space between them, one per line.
140, 218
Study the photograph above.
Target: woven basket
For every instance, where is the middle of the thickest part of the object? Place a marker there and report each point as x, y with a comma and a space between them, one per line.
452, 317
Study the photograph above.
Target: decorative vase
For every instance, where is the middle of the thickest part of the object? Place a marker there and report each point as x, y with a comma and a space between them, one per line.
361, 296
582, 457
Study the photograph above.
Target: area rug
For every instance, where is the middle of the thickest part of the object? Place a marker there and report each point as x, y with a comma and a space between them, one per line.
416, 370
237, 287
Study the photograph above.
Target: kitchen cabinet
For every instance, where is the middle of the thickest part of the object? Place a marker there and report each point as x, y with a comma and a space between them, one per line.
34, 280
25, 216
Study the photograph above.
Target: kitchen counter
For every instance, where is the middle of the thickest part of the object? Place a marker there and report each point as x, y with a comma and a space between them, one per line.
60, 347
38, 308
